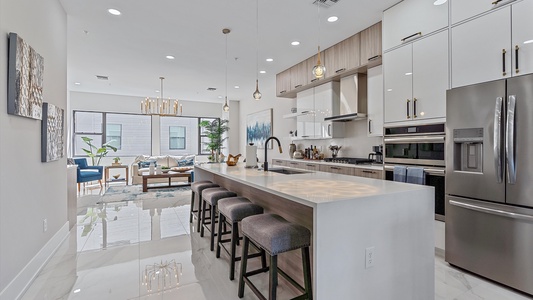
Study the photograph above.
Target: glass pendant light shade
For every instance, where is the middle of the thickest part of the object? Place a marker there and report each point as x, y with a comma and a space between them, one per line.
226, 106
257, 94
319, 70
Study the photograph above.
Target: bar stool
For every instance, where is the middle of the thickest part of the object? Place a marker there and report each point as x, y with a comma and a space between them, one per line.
210, 197
233, 210
197, 188
275, 235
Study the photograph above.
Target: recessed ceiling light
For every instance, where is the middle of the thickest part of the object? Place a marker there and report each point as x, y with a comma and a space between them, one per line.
77, 83
77, 291
237, 87
389, 90
114, 12
408, 73
333, 19
528, 42
269, 59
157, 91
170, 57
439, 2
295, 43
219, 97
262, 72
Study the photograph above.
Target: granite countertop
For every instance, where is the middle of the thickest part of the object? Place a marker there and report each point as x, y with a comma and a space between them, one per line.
311, 188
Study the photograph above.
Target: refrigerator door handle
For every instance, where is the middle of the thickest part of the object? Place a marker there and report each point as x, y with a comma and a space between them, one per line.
509, 142
497, 139
492, 211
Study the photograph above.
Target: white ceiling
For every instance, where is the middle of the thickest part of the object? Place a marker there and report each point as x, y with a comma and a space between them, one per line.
131, 48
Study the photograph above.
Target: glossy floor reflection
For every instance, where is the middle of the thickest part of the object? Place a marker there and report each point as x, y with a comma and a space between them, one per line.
122, 251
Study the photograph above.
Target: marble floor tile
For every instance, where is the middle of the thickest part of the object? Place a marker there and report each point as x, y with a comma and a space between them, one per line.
123, 250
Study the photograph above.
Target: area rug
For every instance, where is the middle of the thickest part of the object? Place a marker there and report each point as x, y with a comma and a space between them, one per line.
134, 193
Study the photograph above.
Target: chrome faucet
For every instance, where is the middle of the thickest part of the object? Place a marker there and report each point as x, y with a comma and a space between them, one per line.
265, 164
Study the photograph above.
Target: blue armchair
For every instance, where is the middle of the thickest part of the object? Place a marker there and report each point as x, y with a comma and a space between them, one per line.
88, 173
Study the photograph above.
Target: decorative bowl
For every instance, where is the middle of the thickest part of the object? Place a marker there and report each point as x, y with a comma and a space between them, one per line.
116, 176
165, 170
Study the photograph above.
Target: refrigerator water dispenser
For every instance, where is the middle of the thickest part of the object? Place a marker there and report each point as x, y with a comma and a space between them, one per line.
468, 149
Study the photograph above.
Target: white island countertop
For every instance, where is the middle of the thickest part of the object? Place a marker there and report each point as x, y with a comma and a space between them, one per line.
348, 216
311, 188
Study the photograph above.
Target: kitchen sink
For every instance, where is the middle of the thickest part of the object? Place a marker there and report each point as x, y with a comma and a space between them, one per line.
287, 171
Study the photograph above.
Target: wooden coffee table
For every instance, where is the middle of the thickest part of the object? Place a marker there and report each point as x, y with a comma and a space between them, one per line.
168, 175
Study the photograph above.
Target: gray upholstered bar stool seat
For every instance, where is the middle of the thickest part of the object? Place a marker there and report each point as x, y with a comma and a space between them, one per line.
210, 199
197, 188
233, 210
275, 235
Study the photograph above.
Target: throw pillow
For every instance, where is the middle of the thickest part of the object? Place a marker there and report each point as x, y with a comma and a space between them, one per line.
187, 161
146, 163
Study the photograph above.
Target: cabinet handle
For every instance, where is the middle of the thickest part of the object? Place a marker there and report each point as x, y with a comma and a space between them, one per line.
284, 91
329, 129
408, 113
374, 57
297, 86
414, 108
340, 70
313, 80
366, 171
411, 36
335, 168
516, 48
305, 136
503, 62
369, 126
310, 165
496, 2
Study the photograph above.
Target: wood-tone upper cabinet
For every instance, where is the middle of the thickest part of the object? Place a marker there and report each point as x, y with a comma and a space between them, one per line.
343, 56
311, 63
283, 82
412, 19
371, 44
298, 75
337, 169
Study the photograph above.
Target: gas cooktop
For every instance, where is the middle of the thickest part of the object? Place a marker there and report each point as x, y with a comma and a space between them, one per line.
349, 160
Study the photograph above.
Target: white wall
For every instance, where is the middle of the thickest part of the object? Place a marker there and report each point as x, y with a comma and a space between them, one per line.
30, 191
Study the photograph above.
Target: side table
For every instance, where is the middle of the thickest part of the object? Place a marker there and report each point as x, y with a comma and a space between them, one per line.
127, 169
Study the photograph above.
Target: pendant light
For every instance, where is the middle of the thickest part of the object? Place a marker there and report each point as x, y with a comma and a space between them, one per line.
319, 70
226, 31
257, 95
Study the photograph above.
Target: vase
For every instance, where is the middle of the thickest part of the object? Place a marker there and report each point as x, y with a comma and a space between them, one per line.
292, 149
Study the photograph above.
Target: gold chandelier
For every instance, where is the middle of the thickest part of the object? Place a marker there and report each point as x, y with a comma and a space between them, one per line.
160, 106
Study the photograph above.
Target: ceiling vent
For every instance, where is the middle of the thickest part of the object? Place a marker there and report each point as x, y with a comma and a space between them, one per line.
326, 3
211, 89
102, 77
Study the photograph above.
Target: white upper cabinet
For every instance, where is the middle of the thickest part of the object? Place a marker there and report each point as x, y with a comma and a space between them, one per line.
411, 19
464, 9
375, 101
522, 37
430, 76
305, 123
416, 80
398, 83
481, 49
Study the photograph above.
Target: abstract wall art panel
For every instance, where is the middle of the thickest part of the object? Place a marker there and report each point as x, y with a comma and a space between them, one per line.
25, 79
259, 128
52, 133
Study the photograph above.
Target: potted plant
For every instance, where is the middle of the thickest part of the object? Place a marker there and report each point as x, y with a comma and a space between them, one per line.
96, 153
116, 161
215, 131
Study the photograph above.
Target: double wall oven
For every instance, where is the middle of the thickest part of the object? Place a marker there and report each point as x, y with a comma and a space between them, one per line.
418, 146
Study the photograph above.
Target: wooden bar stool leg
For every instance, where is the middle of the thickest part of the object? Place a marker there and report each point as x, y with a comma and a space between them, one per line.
234, 239
244, 261
221, 220
213, 233
306, 260
273, 280
200, 213
204, 208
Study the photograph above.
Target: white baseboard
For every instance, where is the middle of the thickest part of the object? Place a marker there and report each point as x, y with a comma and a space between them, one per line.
25, 277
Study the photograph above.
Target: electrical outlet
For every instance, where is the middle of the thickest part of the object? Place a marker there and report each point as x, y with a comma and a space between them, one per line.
370, 259
45, 225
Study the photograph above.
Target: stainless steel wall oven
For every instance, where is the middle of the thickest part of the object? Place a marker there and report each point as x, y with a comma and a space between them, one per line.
419, 146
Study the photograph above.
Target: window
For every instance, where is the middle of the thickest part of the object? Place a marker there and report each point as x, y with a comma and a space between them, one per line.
87, 124
113, 135
176, 136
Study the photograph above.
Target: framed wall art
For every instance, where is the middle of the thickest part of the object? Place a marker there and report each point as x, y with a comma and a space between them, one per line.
52, 132
25, 79
259, 128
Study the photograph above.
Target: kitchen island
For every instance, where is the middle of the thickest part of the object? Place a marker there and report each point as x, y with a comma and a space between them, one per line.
348, 217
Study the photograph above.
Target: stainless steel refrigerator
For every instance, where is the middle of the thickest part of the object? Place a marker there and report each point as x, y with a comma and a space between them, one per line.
489, 180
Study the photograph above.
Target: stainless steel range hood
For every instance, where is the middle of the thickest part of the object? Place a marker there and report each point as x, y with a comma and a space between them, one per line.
352, 99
